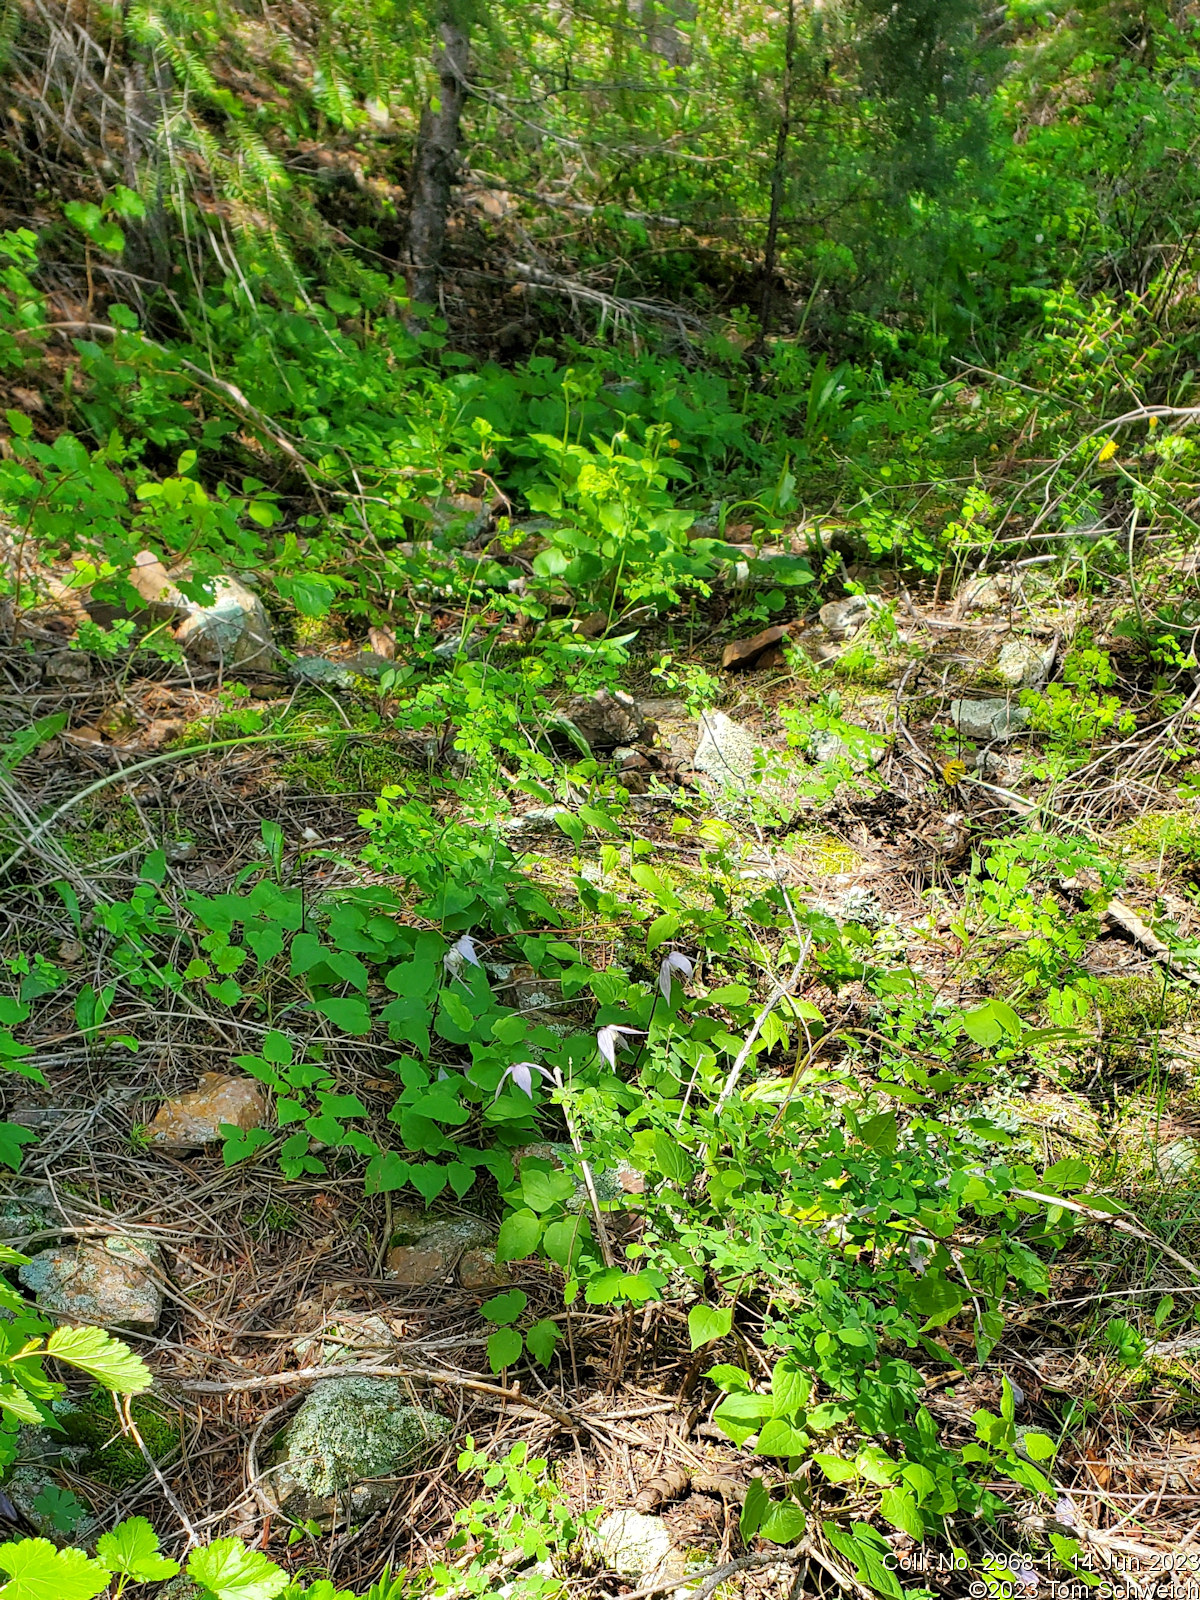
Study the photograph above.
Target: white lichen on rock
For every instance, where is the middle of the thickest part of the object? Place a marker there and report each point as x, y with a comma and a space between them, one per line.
350, 1431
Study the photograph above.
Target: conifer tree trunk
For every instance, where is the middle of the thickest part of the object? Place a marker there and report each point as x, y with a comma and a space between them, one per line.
778, 172
435, 162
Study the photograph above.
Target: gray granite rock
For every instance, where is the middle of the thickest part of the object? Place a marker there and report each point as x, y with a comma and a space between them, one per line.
988, 720
842, 619
24, 1216
534, 824
67, 666
608, 718
232, 631
329, 674
612, 1183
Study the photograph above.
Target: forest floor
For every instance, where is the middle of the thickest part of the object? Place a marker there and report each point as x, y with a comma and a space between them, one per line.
881, 832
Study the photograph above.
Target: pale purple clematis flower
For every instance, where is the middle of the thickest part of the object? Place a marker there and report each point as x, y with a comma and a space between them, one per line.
609, 1040
674, 962
521, 1073
460, 955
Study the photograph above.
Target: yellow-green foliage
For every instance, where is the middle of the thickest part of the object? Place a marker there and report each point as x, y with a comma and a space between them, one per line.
1138, 1015
1142, 1005
359, 766
104, 827
1172, 837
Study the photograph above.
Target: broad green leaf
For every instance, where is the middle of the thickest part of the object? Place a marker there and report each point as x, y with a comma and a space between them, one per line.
564, 1240
350, 1016
504, 1308
341, 1105
37, 1571
981, 1026
1066, 1175
989, 1023
779, 1438
231, 1572
920, 1480
542, 1190
754, 1508
541, 1339
730, 995
12, 1138
873, 1558
733, 1380
428, 1179
503, 1348
783, 1523
107, 1359
519, 1235
132, 1549
740, 1415
706, 1323
387, 1173
18, 1403
671, 1159
1039, 1446
880, 1132
277, 1048
791, 1387
836, 1468
937, 1298
899, 1506
875, 1465
60, 1507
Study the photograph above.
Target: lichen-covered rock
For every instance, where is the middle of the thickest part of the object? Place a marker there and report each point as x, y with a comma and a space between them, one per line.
353, 1338
421, 1255
861, 748
988, 593
727, 751
330, 674
24, 1216
180, 1588
37, 1495
155, 586
232, 631
195, 1119
539, 999
988, 720
534, 824
607, 718
350, 1433
638, 1546
67, 666
1177, 1160
105, 1283
842, 619
1025, 664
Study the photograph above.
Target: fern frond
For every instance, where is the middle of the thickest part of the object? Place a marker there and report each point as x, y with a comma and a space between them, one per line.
10, 26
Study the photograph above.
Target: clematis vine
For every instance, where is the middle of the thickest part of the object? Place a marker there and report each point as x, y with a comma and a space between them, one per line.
674, 962
521, 1073
461, 954
611, 1039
